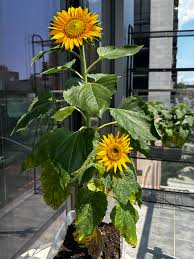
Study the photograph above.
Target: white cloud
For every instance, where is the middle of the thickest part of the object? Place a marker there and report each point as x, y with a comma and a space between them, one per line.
188, 80
185, 11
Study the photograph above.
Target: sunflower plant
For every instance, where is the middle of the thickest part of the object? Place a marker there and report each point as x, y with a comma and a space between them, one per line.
95, 165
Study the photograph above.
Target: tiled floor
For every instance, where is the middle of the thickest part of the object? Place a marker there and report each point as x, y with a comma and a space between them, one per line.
164, 232
23, 224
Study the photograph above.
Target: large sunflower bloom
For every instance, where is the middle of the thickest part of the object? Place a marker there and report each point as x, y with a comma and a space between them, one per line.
70, 28
113, 152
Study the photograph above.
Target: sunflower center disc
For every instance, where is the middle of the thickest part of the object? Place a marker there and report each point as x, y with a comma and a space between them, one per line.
75, 27
114, 153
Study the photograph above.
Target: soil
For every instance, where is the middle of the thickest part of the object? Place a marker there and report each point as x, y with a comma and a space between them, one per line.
71, 249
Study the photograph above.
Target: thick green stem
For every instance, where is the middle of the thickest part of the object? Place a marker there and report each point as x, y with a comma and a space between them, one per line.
84, 66
88, 122
107, 124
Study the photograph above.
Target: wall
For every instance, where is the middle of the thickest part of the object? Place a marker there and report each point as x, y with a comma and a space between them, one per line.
161, 49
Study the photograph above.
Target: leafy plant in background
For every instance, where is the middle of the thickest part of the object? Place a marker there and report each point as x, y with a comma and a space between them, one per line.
182, 117
173, 125
96, 166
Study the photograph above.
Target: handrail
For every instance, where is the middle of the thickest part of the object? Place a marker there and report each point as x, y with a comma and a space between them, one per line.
17, 143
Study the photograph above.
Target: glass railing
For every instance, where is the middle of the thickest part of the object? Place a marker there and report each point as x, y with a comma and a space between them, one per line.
165, 177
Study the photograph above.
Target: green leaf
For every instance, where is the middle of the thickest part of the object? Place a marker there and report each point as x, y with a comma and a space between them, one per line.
43, 52
38, 155
135, 123
93, 98
112, 52
135, 103
108, 80
63, 113
124, 187
91, 208
55, 186
38, 107
58, 69
140, 146
70, 150
38, 56
96, 185
125, 219
72, 81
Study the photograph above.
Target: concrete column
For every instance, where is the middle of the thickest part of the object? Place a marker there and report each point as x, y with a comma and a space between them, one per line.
161, 49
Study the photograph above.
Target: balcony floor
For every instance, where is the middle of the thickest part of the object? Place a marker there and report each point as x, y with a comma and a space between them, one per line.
23, 222
164, 232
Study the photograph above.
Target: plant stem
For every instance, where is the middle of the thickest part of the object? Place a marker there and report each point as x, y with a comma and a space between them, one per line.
88, 122
107, 124
77, 73
83, 61
85, 118
74, 53
94, 64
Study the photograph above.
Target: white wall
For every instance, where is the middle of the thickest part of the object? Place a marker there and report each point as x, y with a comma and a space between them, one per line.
161, 49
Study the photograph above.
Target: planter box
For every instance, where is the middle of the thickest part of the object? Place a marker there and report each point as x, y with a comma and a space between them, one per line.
165, 153
50, 251
161, 153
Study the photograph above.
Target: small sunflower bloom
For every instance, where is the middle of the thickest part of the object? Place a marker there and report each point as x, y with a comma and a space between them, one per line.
70, 28
113, 152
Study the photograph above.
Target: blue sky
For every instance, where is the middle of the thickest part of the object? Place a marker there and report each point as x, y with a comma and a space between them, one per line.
18, 21
185, 56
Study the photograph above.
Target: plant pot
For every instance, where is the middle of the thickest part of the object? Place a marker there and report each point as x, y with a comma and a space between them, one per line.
61, 234
165, 153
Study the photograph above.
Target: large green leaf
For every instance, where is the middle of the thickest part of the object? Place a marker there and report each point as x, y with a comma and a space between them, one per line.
43, 52
96, 185
55, 186
125, 219
38, 155
135, 103
91, 97
108, 80
124, 187
58, 69
86, 171
111, 52
63, 113
135, 123
91, 208
38, 107
70, 150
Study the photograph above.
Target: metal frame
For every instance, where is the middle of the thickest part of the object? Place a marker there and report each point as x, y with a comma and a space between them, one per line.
152, 34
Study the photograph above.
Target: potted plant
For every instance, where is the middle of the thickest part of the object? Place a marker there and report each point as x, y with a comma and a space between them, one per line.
173, 126
96, 166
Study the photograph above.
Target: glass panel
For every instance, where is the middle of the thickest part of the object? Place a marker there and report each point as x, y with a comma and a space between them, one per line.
16, 85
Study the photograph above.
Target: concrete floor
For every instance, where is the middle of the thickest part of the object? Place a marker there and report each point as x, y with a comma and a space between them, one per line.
24, 223
163, 231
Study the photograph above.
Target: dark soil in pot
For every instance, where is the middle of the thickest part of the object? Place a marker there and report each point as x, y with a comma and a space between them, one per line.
71, 249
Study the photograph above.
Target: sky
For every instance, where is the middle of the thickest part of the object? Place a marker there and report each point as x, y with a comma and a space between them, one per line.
18, 21
185, 56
